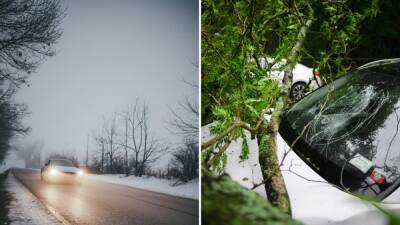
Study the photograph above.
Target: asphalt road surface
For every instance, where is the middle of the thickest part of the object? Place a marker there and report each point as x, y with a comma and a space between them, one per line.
101, 203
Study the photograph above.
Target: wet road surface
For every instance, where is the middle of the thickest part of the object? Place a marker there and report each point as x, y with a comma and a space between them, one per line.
101, 203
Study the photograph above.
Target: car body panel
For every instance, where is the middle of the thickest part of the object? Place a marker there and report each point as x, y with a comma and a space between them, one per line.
393, 198
301, 73
314, 201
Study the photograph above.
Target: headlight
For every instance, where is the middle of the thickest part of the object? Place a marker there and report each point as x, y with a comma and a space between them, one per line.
80, 173
53, 171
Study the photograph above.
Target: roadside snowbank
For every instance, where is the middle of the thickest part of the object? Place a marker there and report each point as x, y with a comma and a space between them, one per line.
26, 209
246, 173
11, 161
188, 190
3, 168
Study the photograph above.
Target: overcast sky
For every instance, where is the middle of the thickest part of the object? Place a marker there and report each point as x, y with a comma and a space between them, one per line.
110, 53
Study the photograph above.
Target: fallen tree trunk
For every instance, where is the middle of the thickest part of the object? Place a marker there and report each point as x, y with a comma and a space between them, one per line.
267, 134
236, 205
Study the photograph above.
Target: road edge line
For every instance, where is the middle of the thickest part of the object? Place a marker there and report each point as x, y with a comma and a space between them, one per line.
52, 211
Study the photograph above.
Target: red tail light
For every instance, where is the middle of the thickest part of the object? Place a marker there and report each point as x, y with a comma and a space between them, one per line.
316, 73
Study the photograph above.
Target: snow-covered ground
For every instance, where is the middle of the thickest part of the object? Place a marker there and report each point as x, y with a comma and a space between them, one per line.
248, 172
11, 161
188, 190
26, 209
3, 168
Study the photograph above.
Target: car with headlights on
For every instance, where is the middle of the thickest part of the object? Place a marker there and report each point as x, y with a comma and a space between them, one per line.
343, 141
61, 171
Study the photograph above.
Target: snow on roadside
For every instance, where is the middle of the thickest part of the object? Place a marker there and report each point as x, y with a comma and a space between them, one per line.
26, 209
188, 190
3, 168
11, 161
246, 173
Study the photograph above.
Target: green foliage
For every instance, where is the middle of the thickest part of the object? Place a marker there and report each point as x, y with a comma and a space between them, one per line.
336, 32
237, 89
245, 149
342, 33
233, 38
236, 36
379, 32
238, 206
393, 217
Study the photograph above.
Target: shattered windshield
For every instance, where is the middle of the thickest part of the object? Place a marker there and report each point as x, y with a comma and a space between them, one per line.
349, 130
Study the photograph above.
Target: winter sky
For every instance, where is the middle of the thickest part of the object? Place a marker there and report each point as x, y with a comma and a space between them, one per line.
110, 53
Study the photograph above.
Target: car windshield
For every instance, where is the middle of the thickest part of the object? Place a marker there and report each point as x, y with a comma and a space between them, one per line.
61, 162
349, 130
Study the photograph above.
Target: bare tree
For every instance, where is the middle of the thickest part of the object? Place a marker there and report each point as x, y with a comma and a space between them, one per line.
98, 156
145, 147
87, 152
28, 29
11, 115
185, 160
110, 139
186, 123
138, 145
126, 138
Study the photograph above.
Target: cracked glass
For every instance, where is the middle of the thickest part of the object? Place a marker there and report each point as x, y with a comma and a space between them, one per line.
349, 130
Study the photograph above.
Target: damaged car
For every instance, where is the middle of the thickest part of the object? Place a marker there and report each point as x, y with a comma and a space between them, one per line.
341, 142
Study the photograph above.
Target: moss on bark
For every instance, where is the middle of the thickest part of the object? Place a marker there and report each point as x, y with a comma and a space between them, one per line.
224, 201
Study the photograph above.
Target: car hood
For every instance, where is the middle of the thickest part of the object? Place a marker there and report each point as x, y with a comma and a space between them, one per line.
66, 169
314, 201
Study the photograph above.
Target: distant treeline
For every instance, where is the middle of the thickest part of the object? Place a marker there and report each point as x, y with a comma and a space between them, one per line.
125, 144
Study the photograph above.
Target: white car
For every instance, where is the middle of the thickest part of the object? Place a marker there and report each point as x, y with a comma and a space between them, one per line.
349, 146
303, 76
60, 170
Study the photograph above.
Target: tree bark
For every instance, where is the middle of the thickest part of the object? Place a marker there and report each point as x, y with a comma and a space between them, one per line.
102, 157
236, 205
127, 169
267, 134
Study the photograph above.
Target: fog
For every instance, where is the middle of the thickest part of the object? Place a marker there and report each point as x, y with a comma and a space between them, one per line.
110, 53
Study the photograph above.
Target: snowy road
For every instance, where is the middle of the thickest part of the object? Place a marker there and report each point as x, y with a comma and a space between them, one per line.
99, 203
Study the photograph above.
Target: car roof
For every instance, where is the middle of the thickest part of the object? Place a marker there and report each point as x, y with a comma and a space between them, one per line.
379, 63
58, 159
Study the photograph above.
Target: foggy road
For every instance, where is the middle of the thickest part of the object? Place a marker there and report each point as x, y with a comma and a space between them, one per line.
101, 203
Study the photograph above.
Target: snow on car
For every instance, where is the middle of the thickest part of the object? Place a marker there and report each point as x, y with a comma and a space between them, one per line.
60, 170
